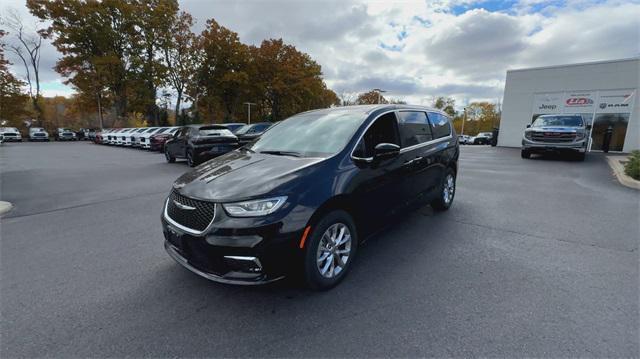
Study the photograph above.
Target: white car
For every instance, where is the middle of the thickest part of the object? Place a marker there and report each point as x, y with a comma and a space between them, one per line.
38, 134
135, 136
10, 134
121, 136
127, 137
464, 139
145, 137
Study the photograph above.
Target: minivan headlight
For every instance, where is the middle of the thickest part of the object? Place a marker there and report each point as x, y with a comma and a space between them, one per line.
254, 208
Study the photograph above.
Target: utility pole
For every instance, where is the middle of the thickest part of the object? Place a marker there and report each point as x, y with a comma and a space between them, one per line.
464, 118
379, 91
249, 104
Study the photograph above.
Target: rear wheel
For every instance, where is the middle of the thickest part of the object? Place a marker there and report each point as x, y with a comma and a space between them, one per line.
330, 249
525, 154
447, 191
167, 155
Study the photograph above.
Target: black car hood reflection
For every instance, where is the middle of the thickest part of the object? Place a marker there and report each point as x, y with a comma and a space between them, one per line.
240, 175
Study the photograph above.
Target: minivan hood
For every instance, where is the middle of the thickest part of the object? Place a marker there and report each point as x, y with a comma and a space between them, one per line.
240, 175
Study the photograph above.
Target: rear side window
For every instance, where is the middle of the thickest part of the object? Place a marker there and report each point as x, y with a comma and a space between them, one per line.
440, 126
414, 128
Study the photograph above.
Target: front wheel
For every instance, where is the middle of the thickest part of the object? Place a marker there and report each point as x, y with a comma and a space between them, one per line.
580, 156
447, 191
167, 155
525, 154
190, 160
330, 249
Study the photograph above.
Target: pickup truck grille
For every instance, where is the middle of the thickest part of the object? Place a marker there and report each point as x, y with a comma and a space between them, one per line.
553, 137
197, 217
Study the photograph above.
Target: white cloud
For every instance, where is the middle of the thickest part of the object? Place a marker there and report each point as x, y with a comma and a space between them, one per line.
420, 49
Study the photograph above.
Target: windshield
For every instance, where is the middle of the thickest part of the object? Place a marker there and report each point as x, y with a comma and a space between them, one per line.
243, 129
234, 127
312, 134
566, 121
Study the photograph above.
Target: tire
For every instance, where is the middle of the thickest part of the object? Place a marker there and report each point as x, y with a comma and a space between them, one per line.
191, 162
167, 155
525, 154
325, 275
580, 156
447, 191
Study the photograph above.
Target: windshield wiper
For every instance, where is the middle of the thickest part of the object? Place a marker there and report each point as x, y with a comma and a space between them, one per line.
283, 153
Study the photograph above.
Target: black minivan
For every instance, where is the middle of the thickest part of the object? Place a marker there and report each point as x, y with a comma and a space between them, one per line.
301, 198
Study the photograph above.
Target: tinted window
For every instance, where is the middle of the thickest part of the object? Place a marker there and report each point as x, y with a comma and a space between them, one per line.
414, 128
384, 130
215, 131
440, 125
260, 128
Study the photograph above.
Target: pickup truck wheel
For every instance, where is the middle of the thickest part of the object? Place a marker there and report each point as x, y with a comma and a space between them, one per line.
580, 156
525, 154
167, 155
329, 251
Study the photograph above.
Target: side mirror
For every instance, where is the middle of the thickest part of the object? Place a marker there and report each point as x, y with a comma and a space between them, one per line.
386, 150
529, 126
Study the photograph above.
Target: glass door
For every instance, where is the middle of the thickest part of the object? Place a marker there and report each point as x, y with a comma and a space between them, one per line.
618, 123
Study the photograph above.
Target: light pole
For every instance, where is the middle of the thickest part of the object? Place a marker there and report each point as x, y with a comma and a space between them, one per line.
379, 91
464, 117
249, 104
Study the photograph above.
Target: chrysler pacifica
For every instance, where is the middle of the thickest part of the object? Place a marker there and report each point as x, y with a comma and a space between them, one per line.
302, 197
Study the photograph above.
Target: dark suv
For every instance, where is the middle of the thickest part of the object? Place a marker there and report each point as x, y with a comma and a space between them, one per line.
198, 143
301, 198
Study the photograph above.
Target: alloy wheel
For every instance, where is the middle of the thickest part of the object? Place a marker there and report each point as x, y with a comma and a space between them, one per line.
334, 250
448, 188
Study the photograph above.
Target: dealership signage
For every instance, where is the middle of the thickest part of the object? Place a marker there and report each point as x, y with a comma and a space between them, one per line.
616, 101
611, 101
545, 103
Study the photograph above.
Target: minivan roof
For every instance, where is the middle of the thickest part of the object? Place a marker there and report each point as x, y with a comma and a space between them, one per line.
367, 109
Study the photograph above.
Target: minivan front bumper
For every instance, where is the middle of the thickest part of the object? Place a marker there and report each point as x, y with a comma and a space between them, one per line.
255, 251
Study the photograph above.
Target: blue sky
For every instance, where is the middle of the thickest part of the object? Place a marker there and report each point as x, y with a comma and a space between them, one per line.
418, 50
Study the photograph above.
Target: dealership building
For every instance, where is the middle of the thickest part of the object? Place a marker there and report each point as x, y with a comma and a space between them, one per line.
604, 93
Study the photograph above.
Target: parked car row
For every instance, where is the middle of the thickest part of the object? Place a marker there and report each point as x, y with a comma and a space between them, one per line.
482, 138
194, 143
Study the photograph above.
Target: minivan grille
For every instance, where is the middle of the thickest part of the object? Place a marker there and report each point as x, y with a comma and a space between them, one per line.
553, 137
197, 217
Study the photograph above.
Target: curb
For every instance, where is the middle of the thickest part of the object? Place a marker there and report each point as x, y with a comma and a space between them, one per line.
5, 207
618, 171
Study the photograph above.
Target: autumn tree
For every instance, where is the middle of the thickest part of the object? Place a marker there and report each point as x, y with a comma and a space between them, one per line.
27, 46
12, 99
446, 104
181, 51
481, 117
286, 81
154, 19
371, 98
223, 74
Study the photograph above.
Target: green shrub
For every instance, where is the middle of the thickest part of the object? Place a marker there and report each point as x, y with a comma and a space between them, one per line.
632, 167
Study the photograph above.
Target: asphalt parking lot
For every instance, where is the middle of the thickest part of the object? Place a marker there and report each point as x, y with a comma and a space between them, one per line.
535, 258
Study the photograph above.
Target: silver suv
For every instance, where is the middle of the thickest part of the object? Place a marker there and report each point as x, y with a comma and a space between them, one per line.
556, 133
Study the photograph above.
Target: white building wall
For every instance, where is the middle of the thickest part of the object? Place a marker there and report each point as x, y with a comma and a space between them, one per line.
521, 85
